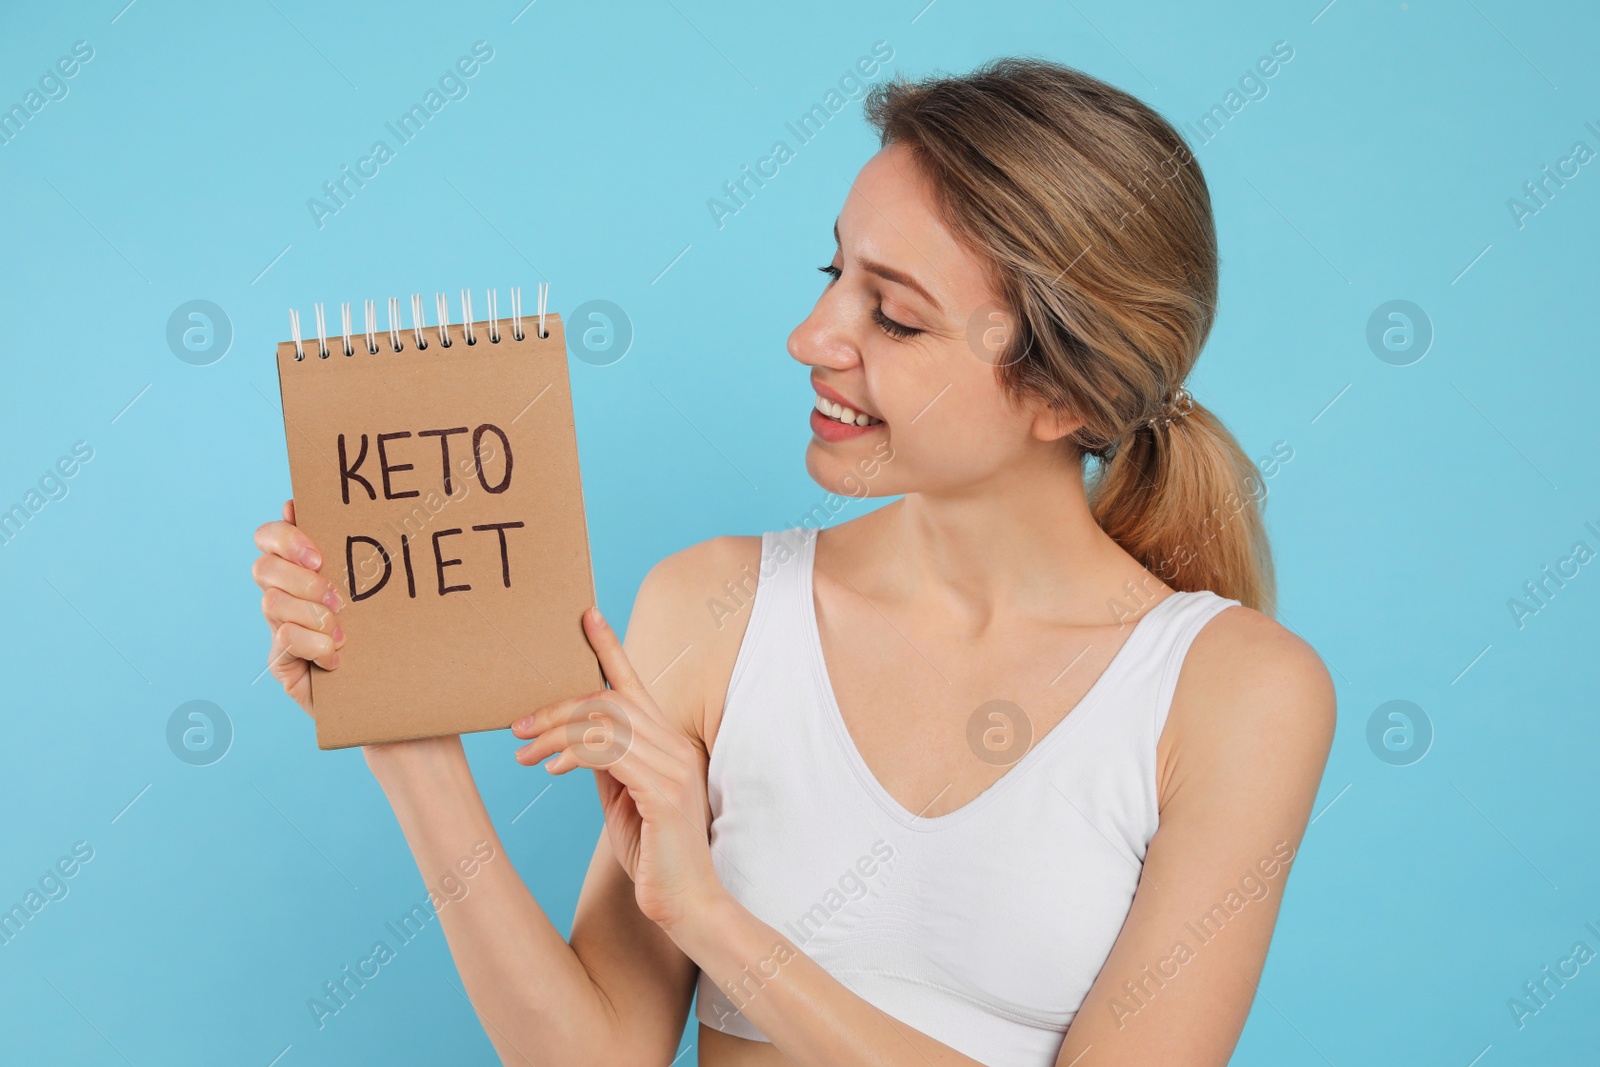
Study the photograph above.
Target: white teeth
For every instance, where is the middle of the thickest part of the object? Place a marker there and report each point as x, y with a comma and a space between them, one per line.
840, 413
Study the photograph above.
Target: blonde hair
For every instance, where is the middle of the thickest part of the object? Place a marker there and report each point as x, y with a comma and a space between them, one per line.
1096, 222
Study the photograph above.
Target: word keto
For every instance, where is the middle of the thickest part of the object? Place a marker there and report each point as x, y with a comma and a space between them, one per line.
350, 476
852, 886
1251, 889
805, 129
342, 988
52, 486
452, 86
1567, 167
1250, 85
1522, 1010
741, 591
1581, 553
52, 86
52, 886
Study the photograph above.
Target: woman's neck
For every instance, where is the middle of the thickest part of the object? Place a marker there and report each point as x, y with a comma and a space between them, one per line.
1022, 542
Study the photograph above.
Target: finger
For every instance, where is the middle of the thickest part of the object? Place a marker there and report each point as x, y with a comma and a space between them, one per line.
579, 713
559, 712
275, 572
279, 607
288, 512
592, 741
614, 661
603, 729
603, 738
320, 648
287, 540
286, 667
563, 763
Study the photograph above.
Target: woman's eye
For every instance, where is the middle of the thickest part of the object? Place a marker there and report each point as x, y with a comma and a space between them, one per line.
894, 329
899, 331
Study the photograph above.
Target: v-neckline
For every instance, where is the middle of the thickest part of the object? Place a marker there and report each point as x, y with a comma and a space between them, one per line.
1051, 737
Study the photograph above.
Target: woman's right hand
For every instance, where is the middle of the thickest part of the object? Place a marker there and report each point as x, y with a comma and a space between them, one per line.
300, 606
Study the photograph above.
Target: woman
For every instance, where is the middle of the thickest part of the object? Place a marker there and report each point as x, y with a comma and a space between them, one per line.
1006, 770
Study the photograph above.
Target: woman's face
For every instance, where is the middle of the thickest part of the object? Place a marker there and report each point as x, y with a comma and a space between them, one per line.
906, 333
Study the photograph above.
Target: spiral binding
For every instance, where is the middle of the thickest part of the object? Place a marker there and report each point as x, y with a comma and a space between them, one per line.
419, 322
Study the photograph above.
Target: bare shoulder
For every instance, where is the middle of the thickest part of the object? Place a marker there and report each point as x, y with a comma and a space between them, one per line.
1252, 691
688, 619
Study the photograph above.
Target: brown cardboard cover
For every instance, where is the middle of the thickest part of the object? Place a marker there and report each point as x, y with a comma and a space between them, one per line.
417, 662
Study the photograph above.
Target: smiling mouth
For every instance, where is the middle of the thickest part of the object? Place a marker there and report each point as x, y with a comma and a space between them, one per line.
843, 415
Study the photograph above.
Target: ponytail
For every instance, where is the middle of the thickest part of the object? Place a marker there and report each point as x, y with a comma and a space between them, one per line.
1183, 499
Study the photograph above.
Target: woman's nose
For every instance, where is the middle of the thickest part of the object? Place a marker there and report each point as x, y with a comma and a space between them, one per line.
822, 339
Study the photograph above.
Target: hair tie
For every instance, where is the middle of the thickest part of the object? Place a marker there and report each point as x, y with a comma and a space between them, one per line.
1178, 405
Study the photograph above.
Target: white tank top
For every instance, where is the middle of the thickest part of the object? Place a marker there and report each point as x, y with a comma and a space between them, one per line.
983, 927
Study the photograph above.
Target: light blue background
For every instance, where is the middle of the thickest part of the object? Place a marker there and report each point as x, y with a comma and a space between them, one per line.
1378, 167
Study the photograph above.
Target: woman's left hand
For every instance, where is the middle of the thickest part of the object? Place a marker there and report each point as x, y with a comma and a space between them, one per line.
651, 778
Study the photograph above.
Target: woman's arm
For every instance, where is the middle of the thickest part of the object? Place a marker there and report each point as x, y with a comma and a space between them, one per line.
1248, 737
619, 993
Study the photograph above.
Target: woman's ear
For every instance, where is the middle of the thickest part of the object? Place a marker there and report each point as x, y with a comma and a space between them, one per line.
1052, 424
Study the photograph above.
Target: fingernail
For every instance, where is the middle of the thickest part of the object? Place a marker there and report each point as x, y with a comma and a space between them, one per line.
332, 599
333, 661
338, 635
523, 724
309, 559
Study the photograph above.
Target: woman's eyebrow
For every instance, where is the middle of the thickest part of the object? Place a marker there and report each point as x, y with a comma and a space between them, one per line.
890, 274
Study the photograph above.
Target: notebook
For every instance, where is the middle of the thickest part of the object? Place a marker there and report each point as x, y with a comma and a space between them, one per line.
436, 470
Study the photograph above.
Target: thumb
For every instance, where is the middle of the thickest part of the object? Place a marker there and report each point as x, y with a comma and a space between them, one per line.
614, 663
